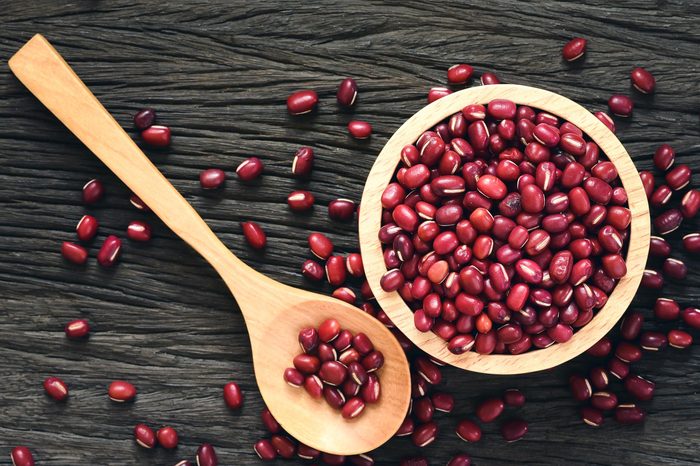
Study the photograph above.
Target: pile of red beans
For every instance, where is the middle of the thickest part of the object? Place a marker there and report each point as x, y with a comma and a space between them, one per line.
504, 229
337, 366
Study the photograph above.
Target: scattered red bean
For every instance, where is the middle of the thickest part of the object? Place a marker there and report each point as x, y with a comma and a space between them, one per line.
156, 136
249, 169
93, 191
212, 178
691, 242
22, 456
167, 437
342, 210
144, 436
436, 93
300, 201
643, 80
77, 329
489, 78
138, 231
490, 409
459, 74
591, 416
301, 102
233, 396
679, 339
303, 162
460, 460
87, 228
144, 118
74, 252
206, 456
629, 414
254, 234
109, 252
469, 431
56, 388
621, 105
121, 391
574, 49
347, 92
513, 430
138, 203
514, 397
359, 129
664, 156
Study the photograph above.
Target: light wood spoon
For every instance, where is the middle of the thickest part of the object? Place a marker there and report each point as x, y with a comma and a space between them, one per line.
370, 222
274, 313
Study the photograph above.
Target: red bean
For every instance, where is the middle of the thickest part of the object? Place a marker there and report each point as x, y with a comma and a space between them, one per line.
469, 431
347, 92
212, 178
489, 78
459, 74
606, 120
56, 388
93, 191
263, 448
514, 429
675, 269
601, 348
652, 279
249, 169
629, 414
690, 203
138, 203
21, 456
144, 118
664, 156
489, 410
312, 270
424, 434
301, 102
121, 391
138, 231
167, 437
341, 210
639, 387
580, 387
679, 177
679, 339
206, 456
293, 377
300, 201
653, 341
233, 396
574, 49
359, 129
621, 105
87, 228
691, 242
156, 136
303, 162
691, 316
109, 252
144, 436
591, 416
436, 93
77, 329
642, 80
666, 309
514, 397
74, 252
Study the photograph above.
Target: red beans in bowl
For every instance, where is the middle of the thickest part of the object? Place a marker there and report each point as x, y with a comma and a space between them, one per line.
521, 232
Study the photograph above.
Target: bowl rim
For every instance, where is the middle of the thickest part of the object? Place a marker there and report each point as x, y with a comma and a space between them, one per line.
638, 247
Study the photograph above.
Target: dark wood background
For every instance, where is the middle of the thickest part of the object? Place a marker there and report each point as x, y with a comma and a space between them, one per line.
219, 73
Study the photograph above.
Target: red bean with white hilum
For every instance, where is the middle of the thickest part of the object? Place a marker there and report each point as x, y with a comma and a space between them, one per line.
338, 366
523, 231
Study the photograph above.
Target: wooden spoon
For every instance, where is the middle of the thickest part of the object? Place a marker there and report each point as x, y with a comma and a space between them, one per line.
370, 222
274, 313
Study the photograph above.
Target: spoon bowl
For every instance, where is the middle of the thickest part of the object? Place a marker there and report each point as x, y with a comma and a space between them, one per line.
274, 312
383, 171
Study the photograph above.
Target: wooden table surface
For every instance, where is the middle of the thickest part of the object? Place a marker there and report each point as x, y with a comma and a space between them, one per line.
218, 73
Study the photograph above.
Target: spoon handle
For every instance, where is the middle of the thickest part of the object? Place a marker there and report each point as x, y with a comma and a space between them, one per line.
47, 75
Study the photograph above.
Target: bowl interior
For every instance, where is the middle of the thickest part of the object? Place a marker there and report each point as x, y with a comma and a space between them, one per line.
638, 246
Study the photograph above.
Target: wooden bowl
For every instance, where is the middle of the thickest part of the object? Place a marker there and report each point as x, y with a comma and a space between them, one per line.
384, 169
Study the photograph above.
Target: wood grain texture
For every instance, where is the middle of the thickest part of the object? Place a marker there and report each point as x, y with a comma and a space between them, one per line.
218, 73
383, 171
